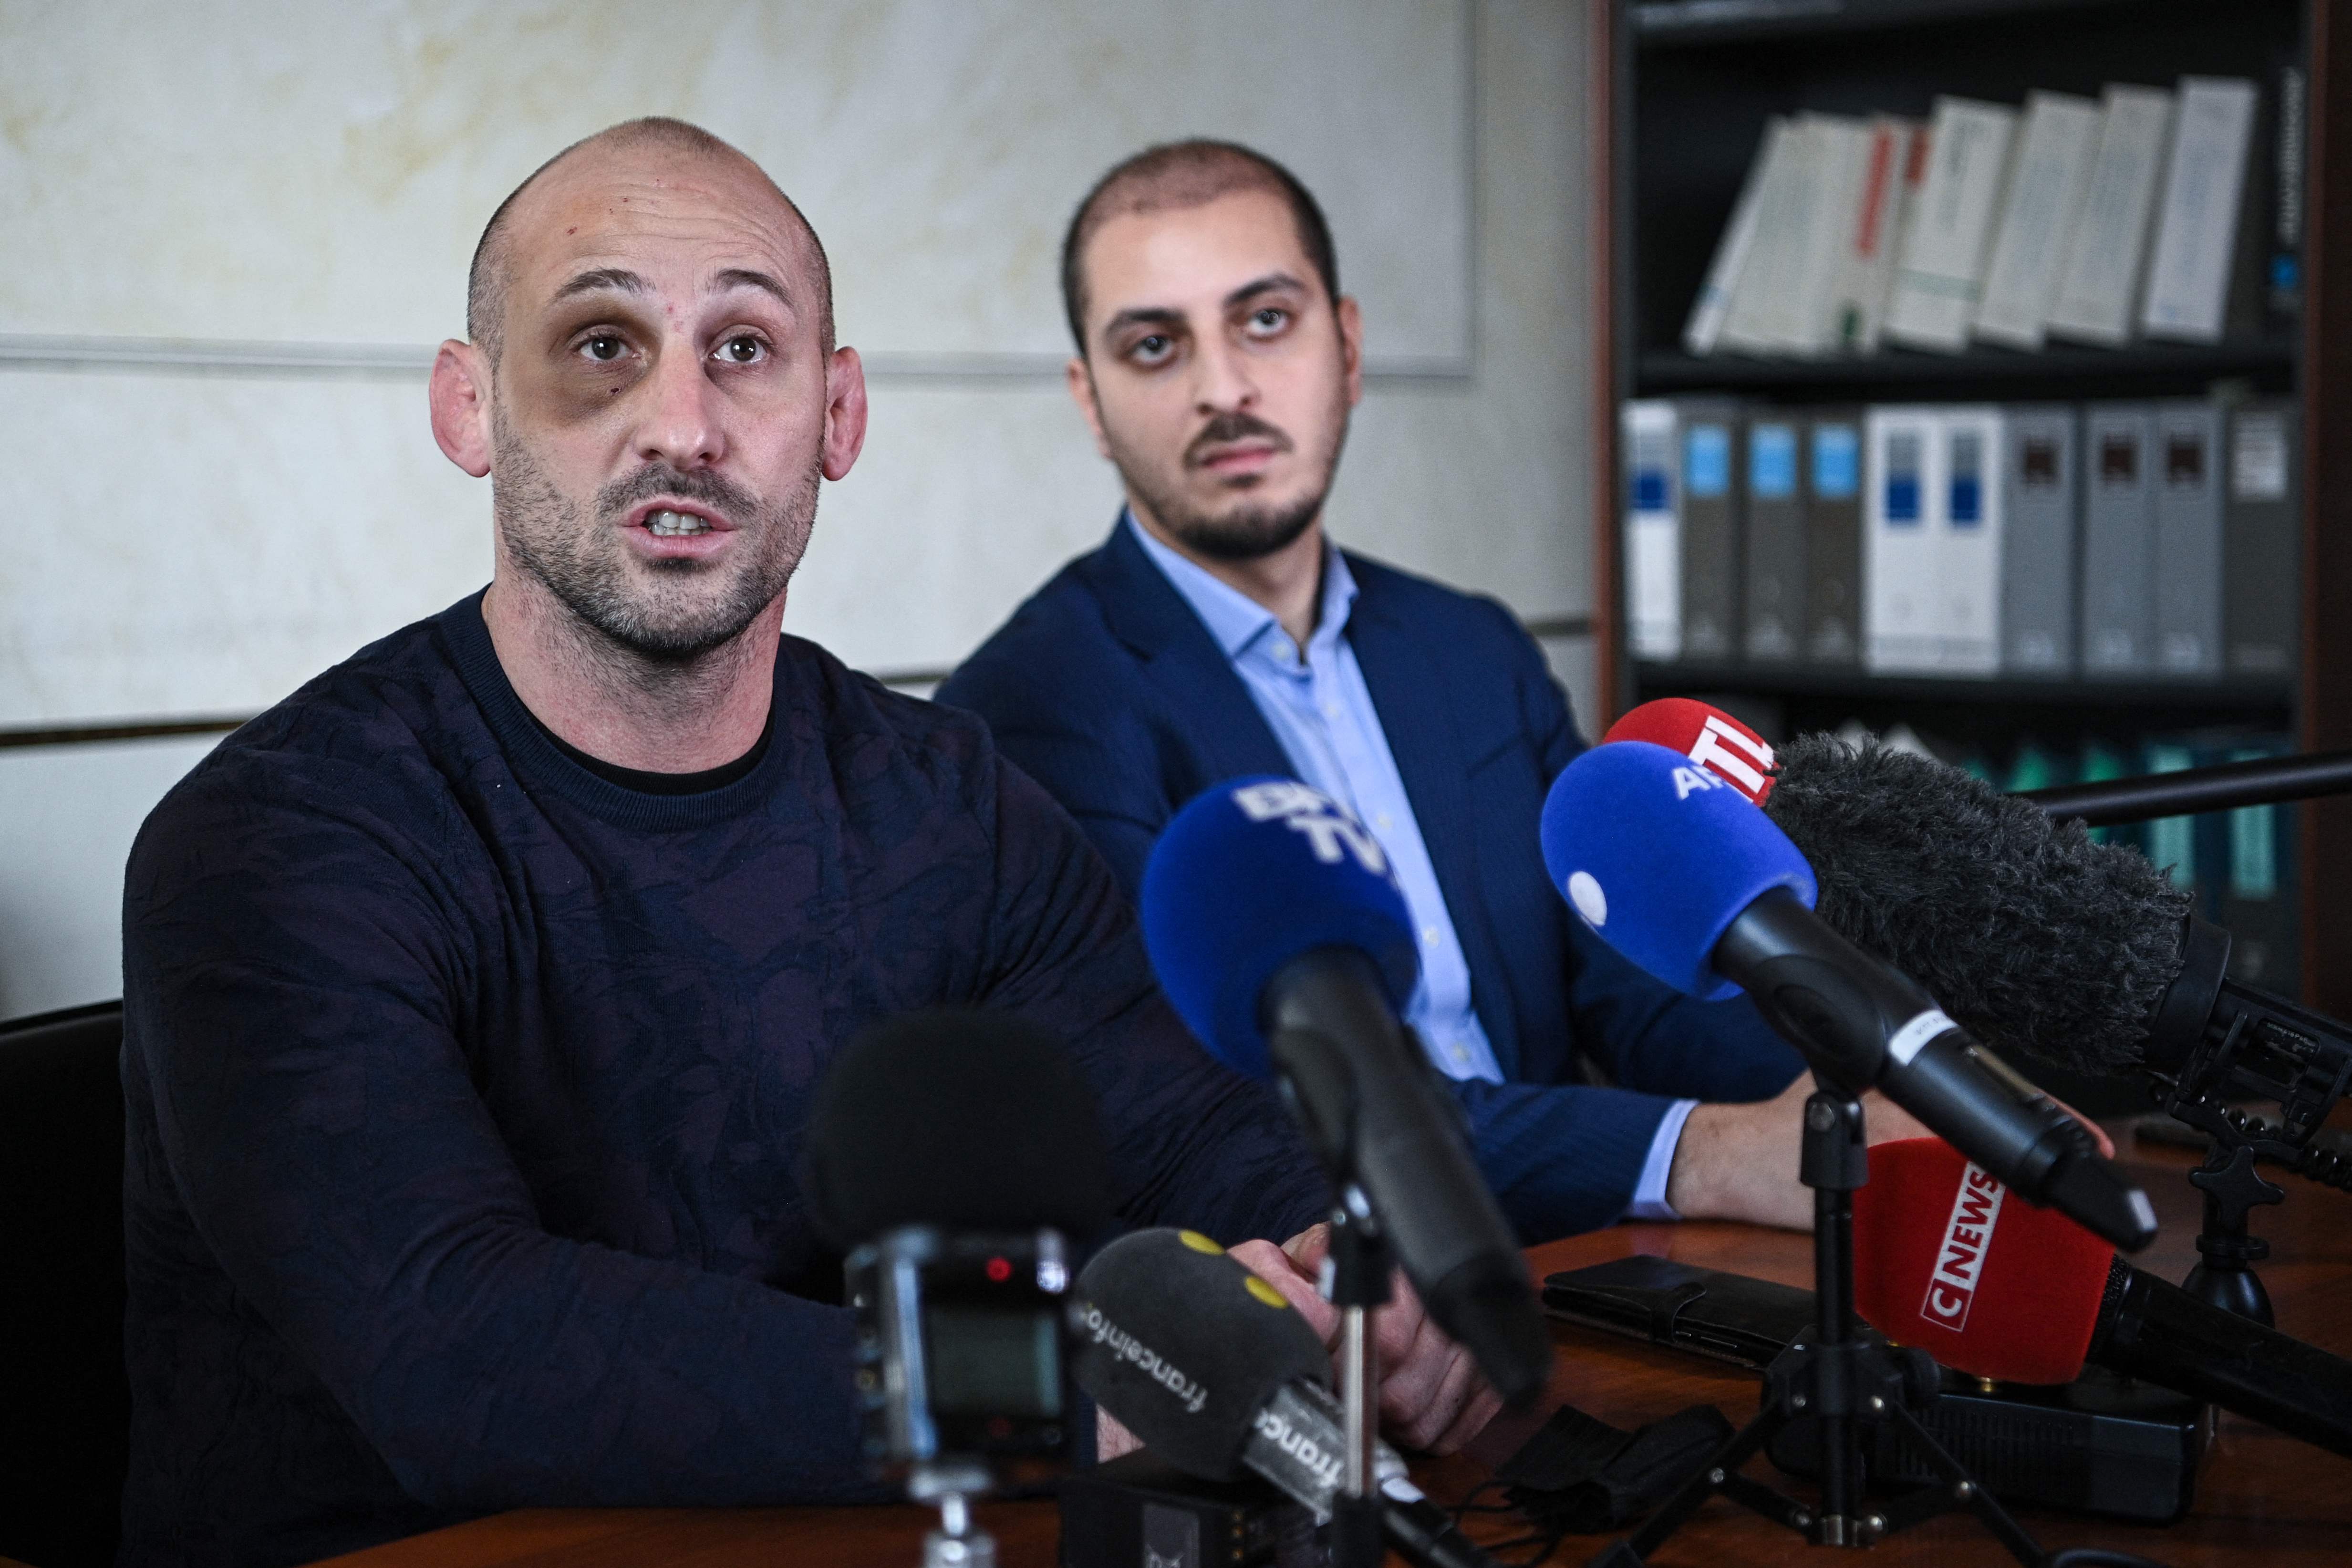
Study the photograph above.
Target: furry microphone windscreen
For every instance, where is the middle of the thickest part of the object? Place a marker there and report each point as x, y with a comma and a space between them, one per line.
2033, 937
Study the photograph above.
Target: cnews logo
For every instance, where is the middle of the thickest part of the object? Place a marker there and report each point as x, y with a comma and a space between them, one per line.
1959, 1261
1329, 826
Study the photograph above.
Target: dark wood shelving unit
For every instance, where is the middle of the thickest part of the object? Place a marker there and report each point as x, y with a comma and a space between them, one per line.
1680, 90
1681, 678
1897, 375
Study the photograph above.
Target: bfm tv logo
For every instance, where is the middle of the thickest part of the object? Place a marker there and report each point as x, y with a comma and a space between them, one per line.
1959, 1259
1329, 826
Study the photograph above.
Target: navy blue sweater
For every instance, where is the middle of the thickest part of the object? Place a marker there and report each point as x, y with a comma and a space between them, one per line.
465, 1091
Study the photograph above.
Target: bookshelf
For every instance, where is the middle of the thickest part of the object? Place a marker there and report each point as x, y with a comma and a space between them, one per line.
1680, 92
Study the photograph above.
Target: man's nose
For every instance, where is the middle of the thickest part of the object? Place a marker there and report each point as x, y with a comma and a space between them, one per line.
682, 425
1221, 378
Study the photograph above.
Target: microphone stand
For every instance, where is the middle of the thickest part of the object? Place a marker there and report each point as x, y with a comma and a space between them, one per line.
1844, 1376
1356, 1281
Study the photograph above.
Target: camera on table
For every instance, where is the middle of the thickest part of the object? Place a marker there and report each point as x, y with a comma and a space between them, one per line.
960, 1362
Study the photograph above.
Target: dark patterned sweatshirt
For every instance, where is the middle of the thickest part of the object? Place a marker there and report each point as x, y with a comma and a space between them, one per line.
467, 1088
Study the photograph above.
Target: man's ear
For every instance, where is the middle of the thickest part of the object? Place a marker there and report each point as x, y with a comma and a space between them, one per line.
1351, 347
460, 398
845, 412
1081, 379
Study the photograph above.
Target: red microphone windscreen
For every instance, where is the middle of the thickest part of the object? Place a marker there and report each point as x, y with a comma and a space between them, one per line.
1948, 1260
1708, 736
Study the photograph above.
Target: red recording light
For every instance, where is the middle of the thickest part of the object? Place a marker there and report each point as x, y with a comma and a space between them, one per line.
1000, 1269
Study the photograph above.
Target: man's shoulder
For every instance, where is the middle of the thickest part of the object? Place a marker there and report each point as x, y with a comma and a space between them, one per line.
1441, 613
1059, 646
359, 740
869, 732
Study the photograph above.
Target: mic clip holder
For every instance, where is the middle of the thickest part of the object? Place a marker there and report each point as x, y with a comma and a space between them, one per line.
1846, 1377
2243, 1045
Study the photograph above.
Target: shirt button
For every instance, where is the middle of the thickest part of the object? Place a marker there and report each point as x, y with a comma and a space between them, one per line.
1429, 935
1384, 822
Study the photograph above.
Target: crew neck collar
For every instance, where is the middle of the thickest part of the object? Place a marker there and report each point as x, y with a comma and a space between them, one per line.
540, 756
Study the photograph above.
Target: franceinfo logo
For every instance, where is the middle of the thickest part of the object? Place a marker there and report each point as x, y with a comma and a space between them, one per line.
1299, 1445
1126, 1347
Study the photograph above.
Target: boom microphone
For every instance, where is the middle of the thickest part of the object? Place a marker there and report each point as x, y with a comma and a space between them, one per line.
1684, 877
1277, 929
961, 1119
2033, 936
1943, 1263
1215, 1373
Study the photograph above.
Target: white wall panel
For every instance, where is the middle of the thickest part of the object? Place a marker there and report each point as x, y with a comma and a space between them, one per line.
72, 812
202, 544
282, 169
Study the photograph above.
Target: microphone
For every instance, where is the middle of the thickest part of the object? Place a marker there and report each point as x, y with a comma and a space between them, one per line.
1683, 875
1708, 736
1277, 931
1213, 1371
2031, 935
954, 1156
1943, 1263
964, 1121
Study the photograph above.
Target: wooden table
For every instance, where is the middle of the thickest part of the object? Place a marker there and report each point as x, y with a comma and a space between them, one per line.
2260, 1498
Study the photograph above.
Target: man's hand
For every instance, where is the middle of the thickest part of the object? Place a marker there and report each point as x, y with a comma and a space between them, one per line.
1739, 1162
1432, 1396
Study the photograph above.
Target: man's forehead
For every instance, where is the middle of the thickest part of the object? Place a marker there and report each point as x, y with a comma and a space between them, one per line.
1172, 256
694, 217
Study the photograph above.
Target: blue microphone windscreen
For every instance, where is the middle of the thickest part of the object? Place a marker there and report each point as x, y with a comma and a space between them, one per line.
1658, 856
1252, 874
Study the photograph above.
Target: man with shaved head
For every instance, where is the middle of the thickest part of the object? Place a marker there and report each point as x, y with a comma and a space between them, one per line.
475, 995
1218, 631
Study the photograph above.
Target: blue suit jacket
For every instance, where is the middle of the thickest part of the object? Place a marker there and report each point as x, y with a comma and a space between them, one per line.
1109, 691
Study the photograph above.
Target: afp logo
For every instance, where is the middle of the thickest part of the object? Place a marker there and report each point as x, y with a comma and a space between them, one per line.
1693, 781
1330, 827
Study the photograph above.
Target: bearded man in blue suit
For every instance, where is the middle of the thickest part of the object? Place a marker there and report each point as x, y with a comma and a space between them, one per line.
1217, 632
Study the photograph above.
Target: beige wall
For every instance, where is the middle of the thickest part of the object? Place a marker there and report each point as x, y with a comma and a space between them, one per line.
234, 231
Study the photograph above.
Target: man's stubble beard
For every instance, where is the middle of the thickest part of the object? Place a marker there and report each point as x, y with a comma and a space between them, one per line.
689, 609
1245, 529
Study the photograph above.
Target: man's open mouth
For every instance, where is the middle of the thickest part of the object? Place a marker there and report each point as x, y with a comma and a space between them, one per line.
676, 525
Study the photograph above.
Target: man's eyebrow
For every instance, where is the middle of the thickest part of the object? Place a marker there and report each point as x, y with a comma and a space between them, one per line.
748, 278
1256, 286
1144, 316
599, 278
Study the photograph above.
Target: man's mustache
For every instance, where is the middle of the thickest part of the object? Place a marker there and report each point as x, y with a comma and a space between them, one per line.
738, 505
1227, 428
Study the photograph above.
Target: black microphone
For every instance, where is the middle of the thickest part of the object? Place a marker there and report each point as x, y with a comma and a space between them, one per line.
958, 1120
957, 1157
1216, 1373
2034, 937
1683, 875
1278, 932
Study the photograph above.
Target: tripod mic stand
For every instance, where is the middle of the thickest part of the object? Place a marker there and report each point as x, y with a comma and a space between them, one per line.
1843, 1375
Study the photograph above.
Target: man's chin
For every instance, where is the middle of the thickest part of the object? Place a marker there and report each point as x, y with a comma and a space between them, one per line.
1247, 533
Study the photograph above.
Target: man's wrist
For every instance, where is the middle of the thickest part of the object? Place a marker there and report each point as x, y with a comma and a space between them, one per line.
1653, 1199
1694, 1184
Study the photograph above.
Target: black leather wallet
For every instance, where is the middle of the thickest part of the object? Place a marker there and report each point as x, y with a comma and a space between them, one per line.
1728, 1317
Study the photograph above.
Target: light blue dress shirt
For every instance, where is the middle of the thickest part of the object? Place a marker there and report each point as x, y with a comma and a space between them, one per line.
1321, 711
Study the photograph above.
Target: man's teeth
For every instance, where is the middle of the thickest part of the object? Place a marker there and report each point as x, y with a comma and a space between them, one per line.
676, 525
